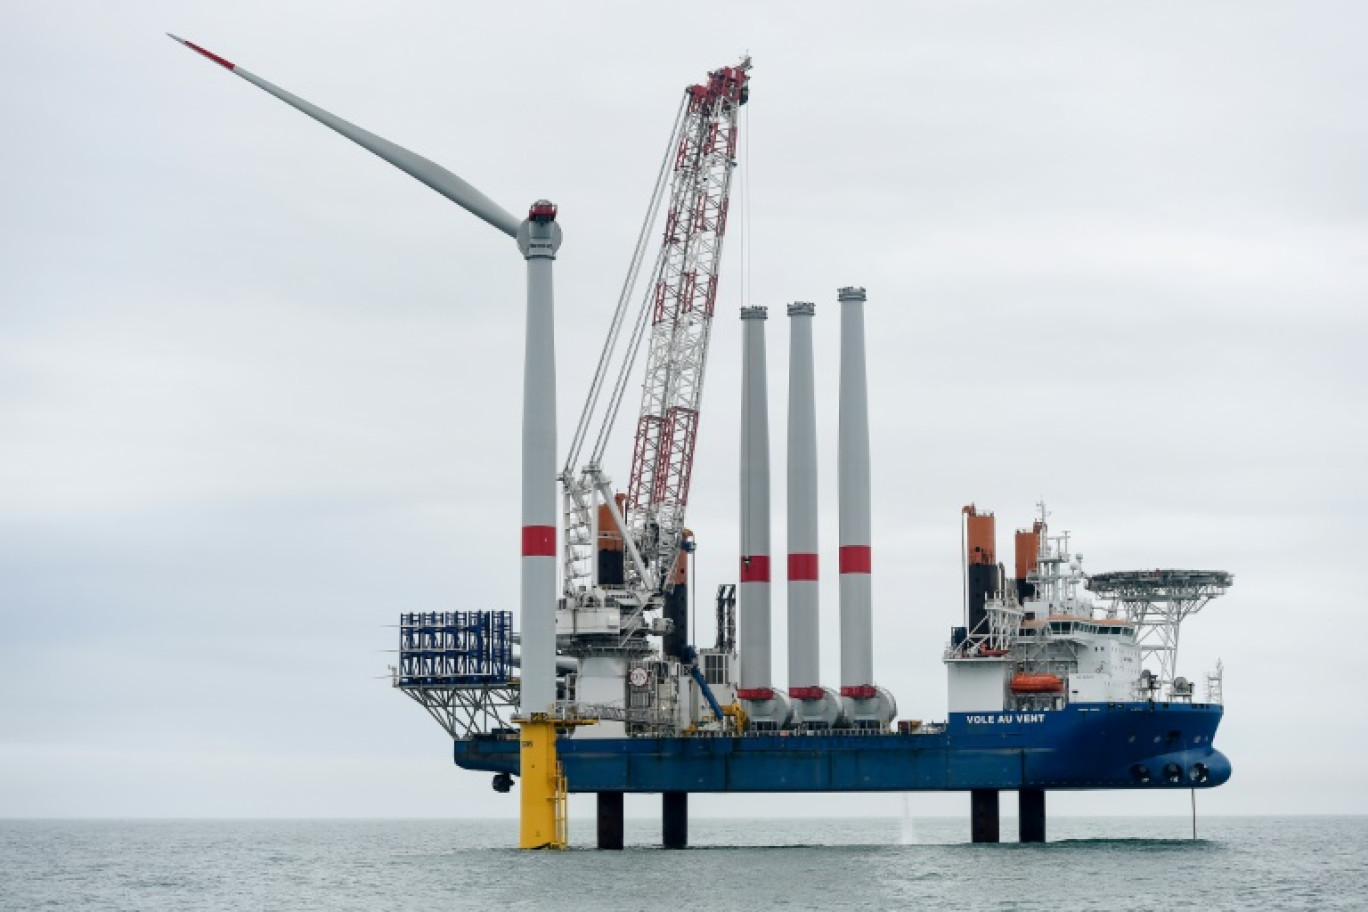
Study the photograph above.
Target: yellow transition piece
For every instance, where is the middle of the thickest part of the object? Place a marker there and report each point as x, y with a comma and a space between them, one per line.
542, 786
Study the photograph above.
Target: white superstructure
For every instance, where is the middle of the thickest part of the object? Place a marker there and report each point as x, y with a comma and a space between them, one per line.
1043, 642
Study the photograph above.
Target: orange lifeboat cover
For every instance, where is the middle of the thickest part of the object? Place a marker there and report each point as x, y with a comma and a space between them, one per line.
1037, 683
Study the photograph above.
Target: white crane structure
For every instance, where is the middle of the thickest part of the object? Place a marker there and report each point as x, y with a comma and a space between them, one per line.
676, 312
608, 609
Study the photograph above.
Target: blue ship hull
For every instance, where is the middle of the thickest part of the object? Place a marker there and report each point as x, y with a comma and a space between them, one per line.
1083, 746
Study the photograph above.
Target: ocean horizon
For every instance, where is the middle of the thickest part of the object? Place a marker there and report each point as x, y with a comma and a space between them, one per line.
926, 862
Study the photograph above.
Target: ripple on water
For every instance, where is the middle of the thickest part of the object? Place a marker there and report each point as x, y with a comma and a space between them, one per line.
1240, 863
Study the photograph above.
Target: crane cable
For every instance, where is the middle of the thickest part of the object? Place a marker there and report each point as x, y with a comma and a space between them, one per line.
615, 328
625, 373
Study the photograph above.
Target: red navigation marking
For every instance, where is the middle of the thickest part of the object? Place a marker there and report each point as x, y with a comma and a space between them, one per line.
210, 54
802, 567
539, 541
855, 558
755, 569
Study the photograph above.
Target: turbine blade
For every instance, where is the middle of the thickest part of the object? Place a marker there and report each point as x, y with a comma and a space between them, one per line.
429, 172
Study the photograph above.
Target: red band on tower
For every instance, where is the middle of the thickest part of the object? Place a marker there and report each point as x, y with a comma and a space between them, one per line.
755, 569
539, 541
802, 567
856, 559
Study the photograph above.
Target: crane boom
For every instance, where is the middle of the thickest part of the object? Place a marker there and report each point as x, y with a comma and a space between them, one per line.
676, 315
681, 301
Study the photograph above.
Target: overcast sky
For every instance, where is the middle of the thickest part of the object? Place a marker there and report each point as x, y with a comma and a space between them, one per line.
259, 392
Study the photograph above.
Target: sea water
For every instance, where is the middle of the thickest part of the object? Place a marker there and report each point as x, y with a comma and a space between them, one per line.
1129, 864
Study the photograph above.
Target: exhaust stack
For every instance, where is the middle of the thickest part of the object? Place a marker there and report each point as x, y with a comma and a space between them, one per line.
866, 706
814, 706
1027, 553
981, 570
767, 708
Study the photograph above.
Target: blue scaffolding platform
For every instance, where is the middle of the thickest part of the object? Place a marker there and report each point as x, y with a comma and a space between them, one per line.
455, 649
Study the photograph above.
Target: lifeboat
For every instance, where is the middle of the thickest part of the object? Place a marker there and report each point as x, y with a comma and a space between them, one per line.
1036, 683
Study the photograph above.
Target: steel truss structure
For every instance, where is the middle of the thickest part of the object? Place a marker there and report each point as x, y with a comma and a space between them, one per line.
682, 300
467, 710
458, 666
1215, 684
677, 310
1157, 602
447, 648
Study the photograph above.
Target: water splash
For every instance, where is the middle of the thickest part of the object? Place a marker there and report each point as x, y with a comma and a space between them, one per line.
908, 836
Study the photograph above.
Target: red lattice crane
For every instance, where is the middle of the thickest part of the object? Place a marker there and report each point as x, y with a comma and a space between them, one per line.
678, 311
